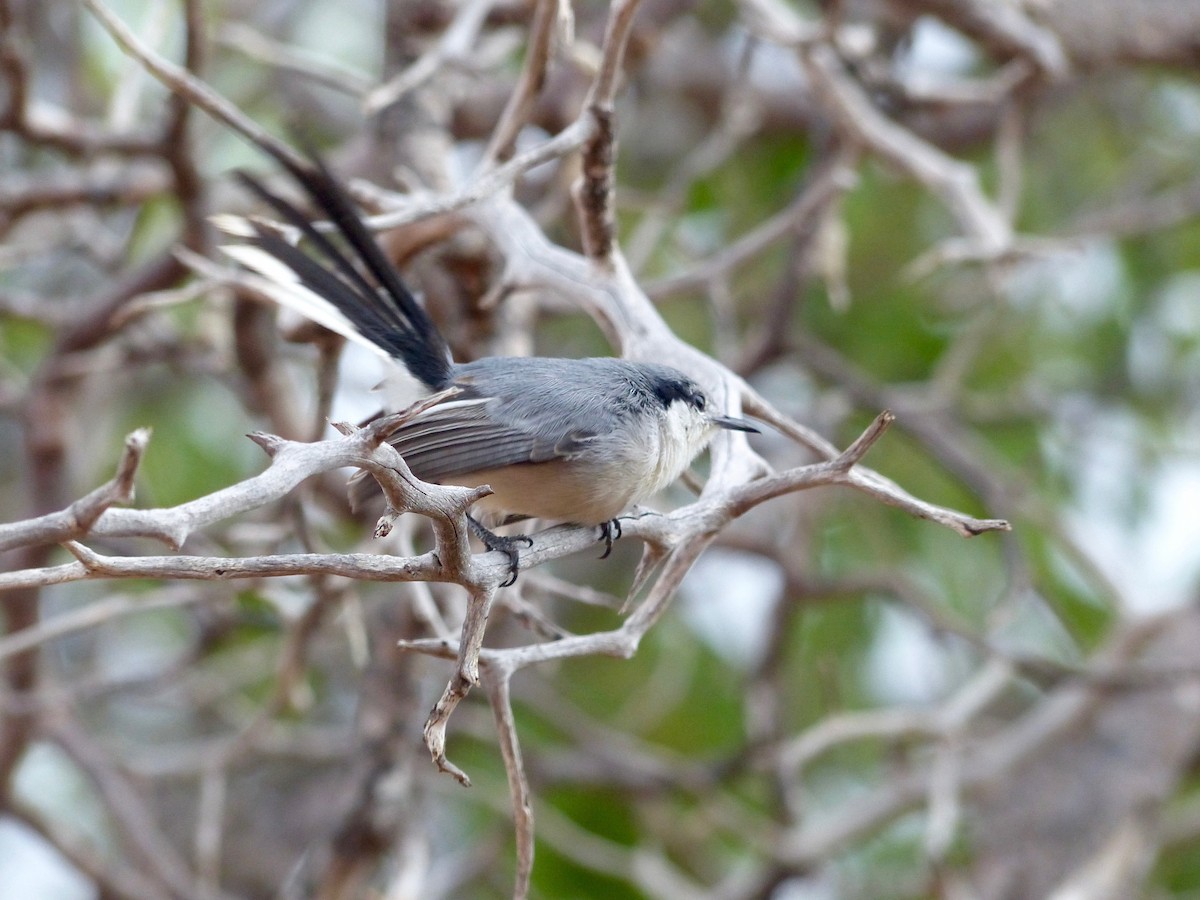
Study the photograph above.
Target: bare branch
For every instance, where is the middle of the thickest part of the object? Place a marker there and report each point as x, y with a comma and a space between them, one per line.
956, 183
188, 86
130, 808
111, 876
77, 519
454, 46
496, 681
415, 207
860, 478
1004, 27
832, 179
291, 59
533, 77
594, 192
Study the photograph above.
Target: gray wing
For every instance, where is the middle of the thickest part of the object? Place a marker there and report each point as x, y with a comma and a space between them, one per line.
514, 412
464, 436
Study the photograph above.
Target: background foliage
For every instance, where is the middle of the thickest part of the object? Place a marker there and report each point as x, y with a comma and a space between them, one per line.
844, 701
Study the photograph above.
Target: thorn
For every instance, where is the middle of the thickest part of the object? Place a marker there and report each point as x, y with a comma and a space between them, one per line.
270, 443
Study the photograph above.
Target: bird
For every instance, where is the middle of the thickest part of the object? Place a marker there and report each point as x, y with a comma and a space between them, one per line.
578, 440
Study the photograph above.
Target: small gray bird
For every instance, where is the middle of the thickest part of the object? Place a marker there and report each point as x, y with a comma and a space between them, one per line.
574, 440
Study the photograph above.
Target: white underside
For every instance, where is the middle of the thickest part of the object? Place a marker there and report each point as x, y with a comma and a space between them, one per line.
600, 484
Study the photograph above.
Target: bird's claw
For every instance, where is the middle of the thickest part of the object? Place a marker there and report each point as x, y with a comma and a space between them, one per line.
506, 545
609, 532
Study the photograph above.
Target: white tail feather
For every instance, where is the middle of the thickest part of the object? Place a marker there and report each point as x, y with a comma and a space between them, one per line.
282, 285
234, 226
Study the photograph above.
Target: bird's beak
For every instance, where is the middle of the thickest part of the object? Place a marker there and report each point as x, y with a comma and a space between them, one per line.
732, 424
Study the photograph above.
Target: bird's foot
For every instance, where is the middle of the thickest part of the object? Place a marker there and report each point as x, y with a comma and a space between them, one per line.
506, 545
610, 531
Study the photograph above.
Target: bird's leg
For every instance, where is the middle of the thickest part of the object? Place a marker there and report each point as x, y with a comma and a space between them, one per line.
506, 545
610, 531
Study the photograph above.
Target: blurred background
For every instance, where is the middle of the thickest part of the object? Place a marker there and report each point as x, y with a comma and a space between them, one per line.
980, 215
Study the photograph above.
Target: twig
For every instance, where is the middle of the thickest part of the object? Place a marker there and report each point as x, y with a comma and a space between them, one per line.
405, 210
43, 123
799, 752
529, 84
496, 682
90, 616
362, 566
454, 45
191, 190
955, 182
866, 480
210, 816
833, 178
186, 85
594, 191
1004, 27
77, 519
466, 676
110, 876
294, 60
131, 812
133, 184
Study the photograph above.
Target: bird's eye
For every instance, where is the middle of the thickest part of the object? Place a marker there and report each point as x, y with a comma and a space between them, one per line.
699, 402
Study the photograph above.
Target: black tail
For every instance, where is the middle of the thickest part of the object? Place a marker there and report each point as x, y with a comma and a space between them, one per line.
380, 307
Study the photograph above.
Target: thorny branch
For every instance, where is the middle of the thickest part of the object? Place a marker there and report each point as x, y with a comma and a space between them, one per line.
77, 520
